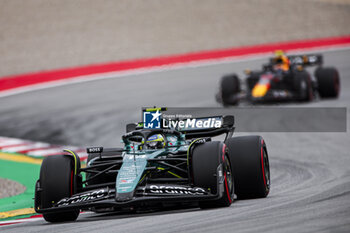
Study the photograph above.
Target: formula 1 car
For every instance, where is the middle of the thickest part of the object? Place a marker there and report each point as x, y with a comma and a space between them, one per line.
156, 168
273, 84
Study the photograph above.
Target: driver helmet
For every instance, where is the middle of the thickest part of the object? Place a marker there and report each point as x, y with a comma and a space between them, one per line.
155, 141
281, 61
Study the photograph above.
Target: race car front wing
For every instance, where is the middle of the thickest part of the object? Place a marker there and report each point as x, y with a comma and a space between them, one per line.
150, 193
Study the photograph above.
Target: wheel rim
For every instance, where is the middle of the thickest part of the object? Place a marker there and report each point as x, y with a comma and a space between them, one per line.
228, 175
266, 169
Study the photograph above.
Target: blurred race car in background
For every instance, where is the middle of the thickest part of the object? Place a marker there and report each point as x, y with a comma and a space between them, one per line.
156, 168
284, 78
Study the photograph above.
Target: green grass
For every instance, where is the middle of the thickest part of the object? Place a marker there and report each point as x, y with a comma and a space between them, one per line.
24, 173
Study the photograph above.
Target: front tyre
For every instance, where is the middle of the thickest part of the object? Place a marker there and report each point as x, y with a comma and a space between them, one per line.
206, 159
57, 182
250, 165
303, 86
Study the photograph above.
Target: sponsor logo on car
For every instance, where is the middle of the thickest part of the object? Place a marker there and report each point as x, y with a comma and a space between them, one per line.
176, 190
94, 149
84, 197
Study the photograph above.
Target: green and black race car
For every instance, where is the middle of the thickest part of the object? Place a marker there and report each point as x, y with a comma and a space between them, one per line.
156, 168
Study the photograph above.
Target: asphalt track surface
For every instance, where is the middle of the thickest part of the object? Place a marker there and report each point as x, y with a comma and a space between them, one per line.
310, 172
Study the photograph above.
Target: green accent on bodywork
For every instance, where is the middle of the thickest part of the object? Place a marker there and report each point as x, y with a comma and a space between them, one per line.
188, 150
155, 109
132, 171
143, 177
133, 167
172, 173
24, 173
75, 160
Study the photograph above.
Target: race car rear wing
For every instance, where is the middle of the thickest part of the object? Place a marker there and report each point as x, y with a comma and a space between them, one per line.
194, 127
302, 60
306, 60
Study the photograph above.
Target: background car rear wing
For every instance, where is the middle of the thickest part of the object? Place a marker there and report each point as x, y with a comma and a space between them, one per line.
306, 60
303, 60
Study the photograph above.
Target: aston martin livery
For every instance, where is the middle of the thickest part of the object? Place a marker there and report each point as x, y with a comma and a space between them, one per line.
157, 167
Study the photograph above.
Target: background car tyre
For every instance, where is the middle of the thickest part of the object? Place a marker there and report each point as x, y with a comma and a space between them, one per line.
303, 86
205, 160
230, 87
57, 182
328, 82
250, 166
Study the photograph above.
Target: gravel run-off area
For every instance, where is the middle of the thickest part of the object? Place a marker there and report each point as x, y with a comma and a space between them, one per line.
10, 188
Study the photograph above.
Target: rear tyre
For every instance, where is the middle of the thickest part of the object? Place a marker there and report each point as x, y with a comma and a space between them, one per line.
328, 82
230, 87
205, 160
57, 182
250, 165
303, 86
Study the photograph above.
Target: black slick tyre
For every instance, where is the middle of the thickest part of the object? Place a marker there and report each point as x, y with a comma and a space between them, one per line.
303, 86
230, 88
57, 182
328, 82
250, 166
205, 161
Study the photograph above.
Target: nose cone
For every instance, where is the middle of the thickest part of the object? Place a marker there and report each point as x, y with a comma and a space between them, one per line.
260, 90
